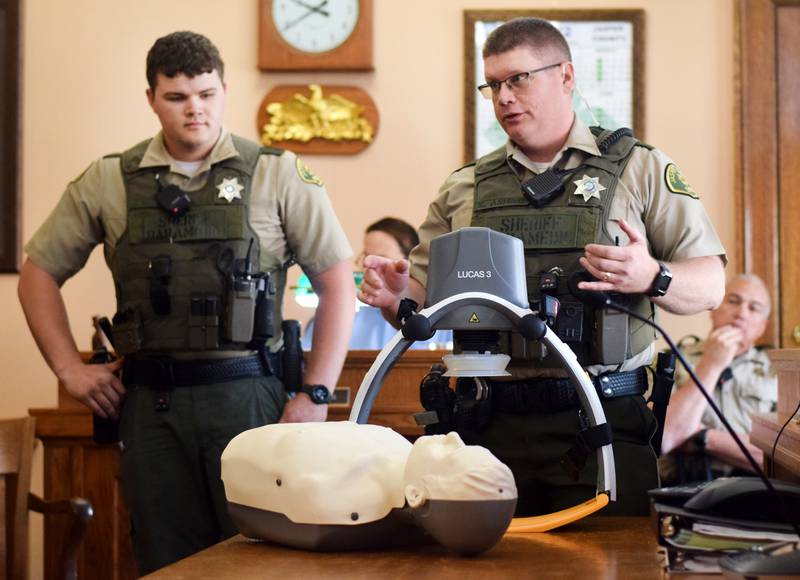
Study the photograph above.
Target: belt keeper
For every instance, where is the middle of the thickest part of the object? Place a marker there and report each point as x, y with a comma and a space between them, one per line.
605, 386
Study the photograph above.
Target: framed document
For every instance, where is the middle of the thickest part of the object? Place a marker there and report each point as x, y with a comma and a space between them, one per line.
608, 54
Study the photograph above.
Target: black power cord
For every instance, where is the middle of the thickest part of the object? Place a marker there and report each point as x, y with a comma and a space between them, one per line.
603, 300
777, 438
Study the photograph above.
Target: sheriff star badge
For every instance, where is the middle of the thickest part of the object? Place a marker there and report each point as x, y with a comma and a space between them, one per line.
230, 189
589, 187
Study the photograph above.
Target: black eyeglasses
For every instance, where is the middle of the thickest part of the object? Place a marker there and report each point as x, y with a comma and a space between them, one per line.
516, 82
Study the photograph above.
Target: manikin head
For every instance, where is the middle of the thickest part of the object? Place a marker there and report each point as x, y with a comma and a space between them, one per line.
442, 467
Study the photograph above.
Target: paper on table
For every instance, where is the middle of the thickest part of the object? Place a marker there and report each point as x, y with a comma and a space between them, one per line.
691, 541
746, 533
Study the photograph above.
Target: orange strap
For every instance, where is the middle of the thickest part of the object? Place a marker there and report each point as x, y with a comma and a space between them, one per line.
547, 522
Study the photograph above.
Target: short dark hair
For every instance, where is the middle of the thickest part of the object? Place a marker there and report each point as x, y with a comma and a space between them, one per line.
403, 232
183, 52
535, 33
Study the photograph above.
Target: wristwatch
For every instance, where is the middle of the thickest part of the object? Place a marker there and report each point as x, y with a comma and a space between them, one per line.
319, 394
661, 282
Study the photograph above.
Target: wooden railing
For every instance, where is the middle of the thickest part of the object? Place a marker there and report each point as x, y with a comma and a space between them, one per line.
786, 462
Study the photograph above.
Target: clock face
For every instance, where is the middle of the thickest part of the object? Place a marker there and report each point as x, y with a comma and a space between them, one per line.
315, 25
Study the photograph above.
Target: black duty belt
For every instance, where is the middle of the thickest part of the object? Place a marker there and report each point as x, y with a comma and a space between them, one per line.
547, 395
170, 372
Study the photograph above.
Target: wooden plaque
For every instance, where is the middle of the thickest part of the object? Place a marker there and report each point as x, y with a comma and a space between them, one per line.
319, 146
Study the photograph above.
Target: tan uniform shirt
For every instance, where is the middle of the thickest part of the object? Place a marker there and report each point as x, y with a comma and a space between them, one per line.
753, 389
676, 225
292, 215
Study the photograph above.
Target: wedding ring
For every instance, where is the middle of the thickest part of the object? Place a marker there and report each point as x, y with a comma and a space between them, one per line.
606, 276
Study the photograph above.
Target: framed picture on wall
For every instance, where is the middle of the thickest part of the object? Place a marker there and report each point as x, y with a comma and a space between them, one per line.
608, 54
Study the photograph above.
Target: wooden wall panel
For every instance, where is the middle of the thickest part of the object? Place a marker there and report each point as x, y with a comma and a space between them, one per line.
757, 182
788, 87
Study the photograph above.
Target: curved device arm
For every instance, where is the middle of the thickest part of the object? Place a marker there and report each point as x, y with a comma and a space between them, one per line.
373, 380
590, 403
557, 519
517, 316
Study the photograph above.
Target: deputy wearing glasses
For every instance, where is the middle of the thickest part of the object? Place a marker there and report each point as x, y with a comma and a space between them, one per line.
585, 202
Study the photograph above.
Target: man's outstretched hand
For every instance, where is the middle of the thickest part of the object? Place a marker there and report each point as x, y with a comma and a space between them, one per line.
384, 283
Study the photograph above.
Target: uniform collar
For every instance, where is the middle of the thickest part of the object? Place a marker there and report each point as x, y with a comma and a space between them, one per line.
579, 137
750, 355
156, 154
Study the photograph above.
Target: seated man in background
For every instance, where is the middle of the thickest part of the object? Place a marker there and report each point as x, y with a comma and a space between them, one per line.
738, 376
391, 238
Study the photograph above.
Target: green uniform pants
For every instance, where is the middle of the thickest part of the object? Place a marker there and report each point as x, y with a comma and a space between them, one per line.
532, 446
171, 462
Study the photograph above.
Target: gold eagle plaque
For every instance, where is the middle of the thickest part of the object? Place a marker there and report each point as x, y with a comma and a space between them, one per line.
316, 119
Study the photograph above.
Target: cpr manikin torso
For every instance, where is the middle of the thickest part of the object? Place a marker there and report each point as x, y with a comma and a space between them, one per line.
341, 486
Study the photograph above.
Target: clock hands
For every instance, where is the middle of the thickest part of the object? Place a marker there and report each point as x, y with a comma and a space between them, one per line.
317, 9
311, 10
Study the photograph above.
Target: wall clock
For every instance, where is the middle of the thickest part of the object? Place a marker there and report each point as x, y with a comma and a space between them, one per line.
315, 35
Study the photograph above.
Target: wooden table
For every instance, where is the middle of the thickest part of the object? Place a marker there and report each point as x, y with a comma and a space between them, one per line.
597, 548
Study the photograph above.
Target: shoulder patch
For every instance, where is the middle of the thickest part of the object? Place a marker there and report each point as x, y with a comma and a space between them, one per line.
676, 182
306, 174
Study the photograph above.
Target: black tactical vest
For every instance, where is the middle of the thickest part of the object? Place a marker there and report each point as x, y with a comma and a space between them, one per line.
175, 276
554, 237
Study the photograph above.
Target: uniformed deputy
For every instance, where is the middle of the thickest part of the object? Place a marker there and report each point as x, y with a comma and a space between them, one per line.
198, 227
626, 216
738, 376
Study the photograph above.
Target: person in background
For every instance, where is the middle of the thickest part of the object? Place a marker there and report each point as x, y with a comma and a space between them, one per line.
391, 238
739, 377
198, 227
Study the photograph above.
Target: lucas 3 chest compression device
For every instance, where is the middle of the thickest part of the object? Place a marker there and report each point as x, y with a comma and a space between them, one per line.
476, 287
